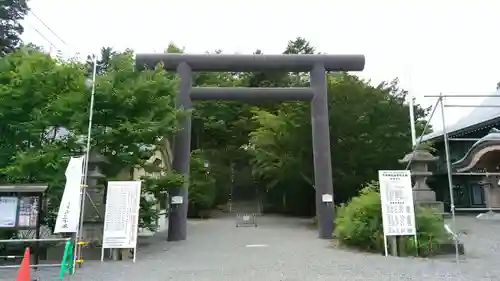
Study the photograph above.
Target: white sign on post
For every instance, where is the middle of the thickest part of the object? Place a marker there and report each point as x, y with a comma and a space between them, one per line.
396, 195
122, 216
68, 216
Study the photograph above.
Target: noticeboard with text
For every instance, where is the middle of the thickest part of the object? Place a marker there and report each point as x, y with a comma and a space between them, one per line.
122, 214
396, 195
19, 212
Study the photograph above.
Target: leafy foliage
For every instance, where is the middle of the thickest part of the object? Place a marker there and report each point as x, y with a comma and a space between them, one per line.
12, 12
135, 113
371, 122
359, 224
202, 188
44, 116
153, 190
38, 95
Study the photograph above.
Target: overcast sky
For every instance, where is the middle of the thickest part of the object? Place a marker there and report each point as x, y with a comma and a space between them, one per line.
432, 46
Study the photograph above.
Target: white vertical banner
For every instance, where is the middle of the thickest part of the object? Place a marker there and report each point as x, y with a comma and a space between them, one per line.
121, 219
68, 216
396, 196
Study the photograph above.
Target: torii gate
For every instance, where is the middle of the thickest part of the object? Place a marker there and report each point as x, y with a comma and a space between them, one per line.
185, 64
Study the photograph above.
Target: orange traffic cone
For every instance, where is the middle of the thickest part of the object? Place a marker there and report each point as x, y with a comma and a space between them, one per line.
23, 274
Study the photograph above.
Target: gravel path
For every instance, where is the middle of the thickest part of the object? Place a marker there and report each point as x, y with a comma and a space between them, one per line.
289, 250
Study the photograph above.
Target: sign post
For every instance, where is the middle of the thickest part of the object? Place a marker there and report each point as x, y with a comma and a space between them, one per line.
398, 212
122, 216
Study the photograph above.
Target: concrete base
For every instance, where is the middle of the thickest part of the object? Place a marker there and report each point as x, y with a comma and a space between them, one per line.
425, 197
423, 194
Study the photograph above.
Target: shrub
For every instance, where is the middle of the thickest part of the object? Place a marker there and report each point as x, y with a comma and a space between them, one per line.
202, 188
359, 225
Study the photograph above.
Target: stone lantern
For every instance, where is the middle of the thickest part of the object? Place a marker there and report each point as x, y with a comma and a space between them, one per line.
95, 206
423, 196
419, 166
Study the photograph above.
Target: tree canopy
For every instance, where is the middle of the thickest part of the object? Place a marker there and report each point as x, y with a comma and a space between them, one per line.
368, 130
44, 111
11, 14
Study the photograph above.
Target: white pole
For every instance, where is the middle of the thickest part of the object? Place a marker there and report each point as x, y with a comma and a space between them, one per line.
78, 248
450, 178
102, 253
385, 246
412, 121
411, 106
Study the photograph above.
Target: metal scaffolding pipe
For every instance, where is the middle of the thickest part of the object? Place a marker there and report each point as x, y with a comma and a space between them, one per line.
251, 63
419, 140
237, 94
463, 139
473, 105
477, 209
475, 174
463, 96
34, 240
31, 266
449, 174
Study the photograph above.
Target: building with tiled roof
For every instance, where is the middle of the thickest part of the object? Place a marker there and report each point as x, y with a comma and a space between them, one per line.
462, 135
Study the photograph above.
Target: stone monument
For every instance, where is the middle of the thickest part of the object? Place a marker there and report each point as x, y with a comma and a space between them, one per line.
95, 205
419, 166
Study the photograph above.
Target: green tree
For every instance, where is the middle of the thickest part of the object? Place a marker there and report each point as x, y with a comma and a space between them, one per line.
281, 79
12, 12
103, 63
368, 129
38, 98
134, 116
133, 112
44, 117
202, 188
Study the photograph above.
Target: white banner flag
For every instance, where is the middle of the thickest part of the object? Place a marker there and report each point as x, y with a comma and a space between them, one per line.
68, 216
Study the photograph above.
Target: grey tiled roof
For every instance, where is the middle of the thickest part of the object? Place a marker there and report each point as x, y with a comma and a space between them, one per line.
478, 117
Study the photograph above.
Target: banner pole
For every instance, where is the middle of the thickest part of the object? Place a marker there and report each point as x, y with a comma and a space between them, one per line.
83, 191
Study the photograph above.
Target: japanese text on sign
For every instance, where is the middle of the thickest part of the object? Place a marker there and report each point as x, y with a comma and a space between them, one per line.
122, 214
396, 196
8, 211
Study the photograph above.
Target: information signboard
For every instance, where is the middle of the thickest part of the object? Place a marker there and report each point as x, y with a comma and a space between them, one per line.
28, 212
398, 213
8, 211
122, 215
